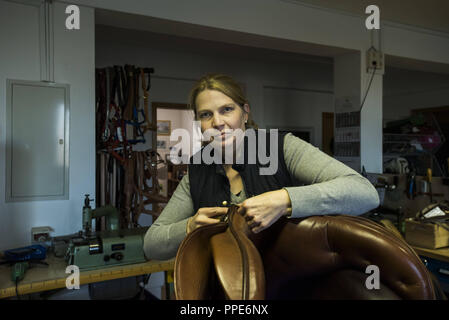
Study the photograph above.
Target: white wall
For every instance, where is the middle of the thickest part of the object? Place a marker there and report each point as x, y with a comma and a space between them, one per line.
300, 23
351, 85
296, 109
307, 85
74, 65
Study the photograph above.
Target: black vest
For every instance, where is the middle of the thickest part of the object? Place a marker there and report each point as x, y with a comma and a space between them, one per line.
209, 185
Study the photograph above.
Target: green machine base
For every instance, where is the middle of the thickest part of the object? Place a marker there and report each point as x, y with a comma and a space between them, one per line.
107, 249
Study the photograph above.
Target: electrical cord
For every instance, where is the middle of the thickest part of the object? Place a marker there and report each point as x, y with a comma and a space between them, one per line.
17, 288
367, 90
146, 278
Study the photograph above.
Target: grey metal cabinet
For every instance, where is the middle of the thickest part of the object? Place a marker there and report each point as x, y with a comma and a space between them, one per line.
37, 141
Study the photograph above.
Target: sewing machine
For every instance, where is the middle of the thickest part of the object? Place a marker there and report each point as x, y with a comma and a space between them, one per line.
92, 250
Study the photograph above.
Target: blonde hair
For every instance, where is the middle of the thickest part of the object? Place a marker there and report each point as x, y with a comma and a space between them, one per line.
224, 84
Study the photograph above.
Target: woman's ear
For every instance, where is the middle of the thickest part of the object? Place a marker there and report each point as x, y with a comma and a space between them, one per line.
247, 110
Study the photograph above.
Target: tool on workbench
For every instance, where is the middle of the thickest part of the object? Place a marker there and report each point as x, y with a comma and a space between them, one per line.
21, 259
425, 187
18, 271
411, 183
114, 246
34, 252
436, 213
429, 178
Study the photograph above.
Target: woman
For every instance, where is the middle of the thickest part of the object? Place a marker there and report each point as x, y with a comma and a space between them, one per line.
307, 181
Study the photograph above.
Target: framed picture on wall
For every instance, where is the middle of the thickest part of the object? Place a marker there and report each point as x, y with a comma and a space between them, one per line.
163, 127
161, 144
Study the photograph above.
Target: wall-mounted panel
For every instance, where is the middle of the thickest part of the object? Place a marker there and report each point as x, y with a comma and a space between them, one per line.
37, 141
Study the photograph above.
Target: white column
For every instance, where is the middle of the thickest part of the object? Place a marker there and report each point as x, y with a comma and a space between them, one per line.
351, 81
371, 120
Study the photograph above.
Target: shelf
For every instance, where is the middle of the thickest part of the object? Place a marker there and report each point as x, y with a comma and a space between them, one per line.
347, 157
410, 154
348, 141
348, 127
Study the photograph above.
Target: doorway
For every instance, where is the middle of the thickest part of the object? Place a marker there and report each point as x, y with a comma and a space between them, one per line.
169, 117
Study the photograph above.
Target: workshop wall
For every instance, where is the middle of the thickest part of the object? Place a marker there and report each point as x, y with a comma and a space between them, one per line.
305, 87
282, 93
73, 65
300, 110
408, 89
292, 20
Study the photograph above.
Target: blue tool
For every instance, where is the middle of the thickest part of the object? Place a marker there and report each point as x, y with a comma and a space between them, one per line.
30, 253
412, 183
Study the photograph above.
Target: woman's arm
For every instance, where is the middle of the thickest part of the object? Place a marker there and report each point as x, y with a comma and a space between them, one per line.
163, 238
330, 186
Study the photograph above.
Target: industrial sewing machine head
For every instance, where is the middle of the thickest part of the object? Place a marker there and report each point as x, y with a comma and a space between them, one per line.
110, 213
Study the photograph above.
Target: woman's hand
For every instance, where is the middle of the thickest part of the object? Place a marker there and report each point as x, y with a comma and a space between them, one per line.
265, 209
204, 217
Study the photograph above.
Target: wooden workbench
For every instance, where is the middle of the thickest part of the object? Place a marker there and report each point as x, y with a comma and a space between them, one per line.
441, 254
42, 278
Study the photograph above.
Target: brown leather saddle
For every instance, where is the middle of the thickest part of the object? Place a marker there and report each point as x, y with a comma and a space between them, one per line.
318, 257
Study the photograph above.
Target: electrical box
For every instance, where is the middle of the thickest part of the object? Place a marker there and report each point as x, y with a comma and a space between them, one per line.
375, 61
37, 141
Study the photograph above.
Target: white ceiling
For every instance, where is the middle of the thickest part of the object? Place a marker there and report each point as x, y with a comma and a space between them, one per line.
191, 31
195, 37
427, 14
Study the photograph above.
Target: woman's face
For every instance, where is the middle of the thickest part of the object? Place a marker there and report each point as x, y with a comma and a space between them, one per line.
216, 110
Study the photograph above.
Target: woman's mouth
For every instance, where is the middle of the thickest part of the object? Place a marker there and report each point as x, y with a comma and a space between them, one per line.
221, 134
222, 137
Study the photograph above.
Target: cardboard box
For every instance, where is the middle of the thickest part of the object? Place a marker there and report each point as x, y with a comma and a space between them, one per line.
426, 235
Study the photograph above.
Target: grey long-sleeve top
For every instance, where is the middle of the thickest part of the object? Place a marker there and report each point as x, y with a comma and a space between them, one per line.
329, 187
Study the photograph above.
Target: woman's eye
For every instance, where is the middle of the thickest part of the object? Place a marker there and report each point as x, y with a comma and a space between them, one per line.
228, 109
204, 115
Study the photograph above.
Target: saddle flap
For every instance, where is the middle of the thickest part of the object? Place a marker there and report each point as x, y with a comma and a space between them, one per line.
193, 264
237, 261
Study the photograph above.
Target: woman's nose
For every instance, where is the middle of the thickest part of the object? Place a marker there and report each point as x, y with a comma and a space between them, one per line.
217, 121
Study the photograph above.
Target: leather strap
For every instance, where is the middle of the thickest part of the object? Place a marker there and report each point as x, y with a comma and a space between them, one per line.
117, 105
148, 125
127, 114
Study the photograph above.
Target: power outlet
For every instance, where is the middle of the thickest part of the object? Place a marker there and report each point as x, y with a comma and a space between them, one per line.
375, 61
